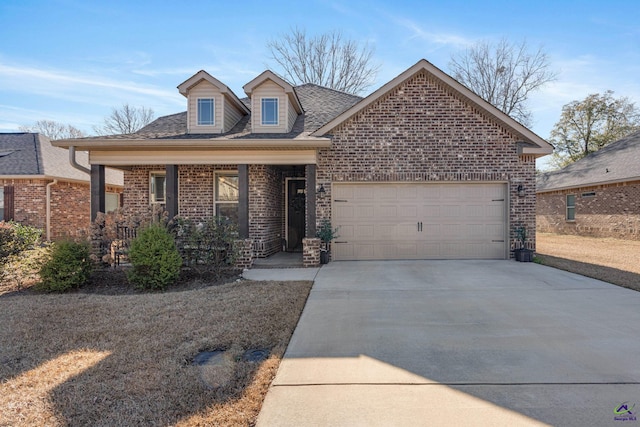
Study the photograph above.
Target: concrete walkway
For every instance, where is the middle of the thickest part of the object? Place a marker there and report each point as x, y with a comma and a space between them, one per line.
458, 343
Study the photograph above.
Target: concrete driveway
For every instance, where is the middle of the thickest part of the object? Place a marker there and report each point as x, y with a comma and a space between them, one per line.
459, 343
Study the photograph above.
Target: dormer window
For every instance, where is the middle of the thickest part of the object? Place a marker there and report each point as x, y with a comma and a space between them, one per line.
269, 111
206, 111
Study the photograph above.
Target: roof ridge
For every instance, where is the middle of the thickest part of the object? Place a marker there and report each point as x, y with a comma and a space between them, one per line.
342, 92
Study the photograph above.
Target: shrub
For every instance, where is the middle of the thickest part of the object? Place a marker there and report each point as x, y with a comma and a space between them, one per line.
206, 247
16, 238
69, 267
23, 270
155, 258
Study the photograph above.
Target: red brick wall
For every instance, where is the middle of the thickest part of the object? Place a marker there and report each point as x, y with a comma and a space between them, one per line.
70, 205
266, 193
419, 132
614, 211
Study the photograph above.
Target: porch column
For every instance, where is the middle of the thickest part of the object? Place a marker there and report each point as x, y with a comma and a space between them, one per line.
172, 190
97, 190
243, 201
310, 172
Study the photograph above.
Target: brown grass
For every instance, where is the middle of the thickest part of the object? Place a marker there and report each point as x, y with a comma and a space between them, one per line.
104, 360
611, 260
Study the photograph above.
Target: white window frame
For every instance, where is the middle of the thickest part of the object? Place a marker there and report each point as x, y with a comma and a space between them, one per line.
152, 198
213, 112
570, 208
262, 111
217, 202
1, 203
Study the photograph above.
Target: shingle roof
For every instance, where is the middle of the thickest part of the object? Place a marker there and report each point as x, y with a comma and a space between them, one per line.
33, 154
617, 162
320, 105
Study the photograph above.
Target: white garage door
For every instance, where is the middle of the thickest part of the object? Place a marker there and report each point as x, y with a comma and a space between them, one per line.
419, 221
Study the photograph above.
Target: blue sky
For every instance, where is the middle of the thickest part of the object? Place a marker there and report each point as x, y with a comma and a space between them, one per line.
72, 61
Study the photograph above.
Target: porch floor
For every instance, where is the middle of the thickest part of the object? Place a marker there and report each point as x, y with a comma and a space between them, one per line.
280, 260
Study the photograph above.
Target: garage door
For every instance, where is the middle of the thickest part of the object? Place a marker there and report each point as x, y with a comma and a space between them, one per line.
419, 221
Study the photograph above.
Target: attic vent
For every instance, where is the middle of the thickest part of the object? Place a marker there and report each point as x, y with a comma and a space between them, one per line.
589, 194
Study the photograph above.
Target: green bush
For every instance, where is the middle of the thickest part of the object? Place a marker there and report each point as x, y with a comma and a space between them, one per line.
69, 267
16, 238
155, 259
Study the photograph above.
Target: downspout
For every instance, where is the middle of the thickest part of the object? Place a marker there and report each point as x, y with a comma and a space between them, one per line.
74, 163
48, 214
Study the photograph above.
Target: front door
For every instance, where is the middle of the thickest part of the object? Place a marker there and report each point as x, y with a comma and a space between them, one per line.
296, 203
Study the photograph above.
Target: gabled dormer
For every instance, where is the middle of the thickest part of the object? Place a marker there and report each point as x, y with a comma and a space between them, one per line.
211, 106
274, 104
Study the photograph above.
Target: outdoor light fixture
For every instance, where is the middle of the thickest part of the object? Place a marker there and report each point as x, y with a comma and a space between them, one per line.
321, 192
520, 190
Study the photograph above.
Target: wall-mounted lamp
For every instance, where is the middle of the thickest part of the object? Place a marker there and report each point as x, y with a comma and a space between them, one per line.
520, 190
321, 192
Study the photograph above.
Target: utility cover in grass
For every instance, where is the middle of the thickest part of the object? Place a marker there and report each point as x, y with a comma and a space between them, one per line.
216, 368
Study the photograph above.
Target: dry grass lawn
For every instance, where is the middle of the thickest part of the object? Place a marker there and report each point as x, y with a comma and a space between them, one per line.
611, 260
87, 359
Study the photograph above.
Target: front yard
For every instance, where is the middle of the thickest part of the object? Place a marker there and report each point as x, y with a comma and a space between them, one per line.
611, 260
84, 359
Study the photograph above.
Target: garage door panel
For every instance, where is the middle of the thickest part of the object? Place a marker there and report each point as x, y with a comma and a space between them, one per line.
458, 220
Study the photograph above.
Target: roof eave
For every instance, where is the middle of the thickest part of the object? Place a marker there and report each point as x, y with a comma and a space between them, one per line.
589, 184
212, 143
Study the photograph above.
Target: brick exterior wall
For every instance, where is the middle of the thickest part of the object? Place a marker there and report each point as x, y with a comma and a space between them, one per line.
614, 211
310, 252
266, 194
420, 131
70, 205
196, 198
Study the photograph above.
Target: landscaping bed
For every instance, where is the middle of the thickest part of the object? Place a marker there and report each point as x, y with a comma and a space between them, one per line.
108, 354
611, 260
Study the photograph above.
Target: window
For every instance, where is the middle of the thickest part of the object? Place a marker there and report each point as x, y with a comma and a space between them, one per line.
269, 111
571, 207
1, 203
206, 111
226, 195
111, 201
158, 187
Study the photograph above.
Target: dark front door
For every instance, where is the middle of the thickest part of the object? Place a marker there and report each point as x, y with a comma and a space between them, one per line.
296, 199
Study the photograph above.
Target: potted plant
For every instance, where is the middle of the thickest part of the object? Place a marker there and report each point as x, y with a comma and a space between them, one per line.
326, 234
523, 254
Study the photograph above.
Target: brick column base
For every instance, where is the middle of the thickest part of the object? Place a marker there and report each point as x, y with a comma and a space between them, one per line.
244, 252
311, 252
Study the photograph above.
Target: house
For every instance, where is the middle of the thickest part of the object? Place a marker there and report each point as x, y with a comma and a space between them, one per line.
422, 168
38, 186
598, 195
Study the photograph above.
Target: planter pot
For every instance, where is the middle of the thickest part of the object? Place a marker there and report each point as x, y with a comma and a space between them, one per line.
324, 257
523, 255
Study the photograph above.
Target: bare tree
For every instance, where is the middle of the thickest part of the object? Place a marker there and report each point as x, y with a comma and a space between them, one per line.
503, 74
588, 125
53, 130
327, 59
125, 120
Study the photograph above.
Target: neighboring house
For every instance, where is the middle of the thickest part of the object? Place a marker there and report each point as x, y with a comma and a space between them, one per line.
420, 169
39, 187
599, 195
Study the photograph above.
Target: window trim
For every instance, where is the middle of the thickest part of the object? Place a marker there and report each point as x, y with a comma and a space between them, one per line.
213, 112
152, 200
216, 202
569, 207
262, 111
1, 203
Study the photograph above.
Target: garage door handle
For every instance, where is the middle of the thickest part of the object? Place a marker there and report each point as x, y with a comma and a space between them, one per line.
497, 241
337, 200
497, 200
419, 226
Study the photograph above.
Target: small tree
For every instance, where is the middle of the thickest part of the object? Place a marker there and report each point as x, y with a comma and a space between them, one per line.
590, 124
155, 259
53, 130
503, 74
125, 120
327, 60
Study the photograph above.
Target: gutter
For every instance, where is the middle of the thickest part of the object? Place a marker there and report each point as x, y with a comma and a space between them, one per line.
74, 163
48, 213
